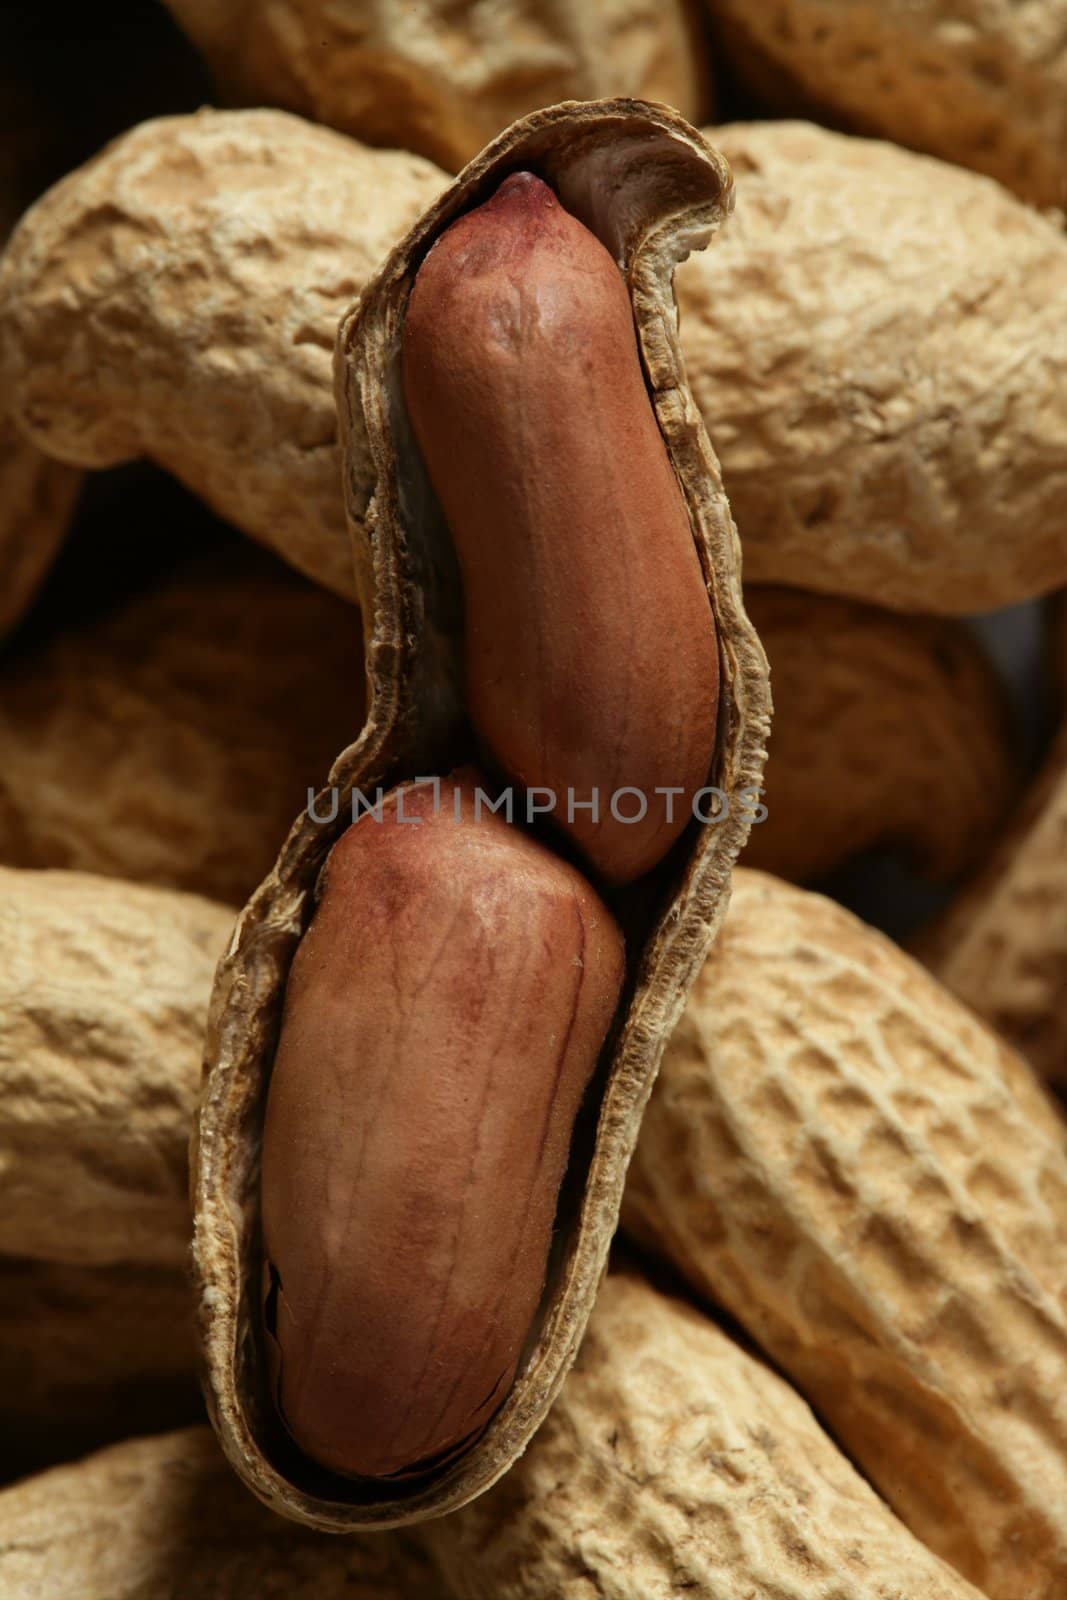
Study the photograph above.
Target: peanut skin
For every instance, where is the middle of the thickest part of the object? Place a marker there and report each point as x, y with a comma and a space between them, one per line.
442, 1018
590, 656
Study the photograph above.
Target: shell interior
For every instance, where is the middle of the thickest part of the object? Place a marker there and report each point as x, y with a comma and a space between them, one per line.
651, 189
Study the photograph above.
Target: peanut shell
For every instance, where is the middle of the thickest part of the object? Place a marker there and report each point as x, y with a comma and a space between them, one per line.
873, 445
674, 1463
651, 189
103, 992
89, 1355
888, 731
177, 298
876, 1187
162, 1519
442, 80
878, 346
1001, 945
172, 740
982, 83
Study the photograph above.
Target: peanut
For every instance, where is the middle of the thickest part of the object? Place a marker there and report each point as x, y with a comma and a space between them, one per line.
174, 740
590, 655
164, 1519
1001, 945
982, 84
650, 189
443, 80
103, 993
876, 1187
674, 1463
872, 445
91, 1354
177, 298
888, 730
878, 344
443, 1014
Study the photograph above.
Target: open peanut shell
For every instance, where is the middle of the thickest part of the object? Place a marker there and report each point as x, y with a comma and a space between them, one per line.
652, 190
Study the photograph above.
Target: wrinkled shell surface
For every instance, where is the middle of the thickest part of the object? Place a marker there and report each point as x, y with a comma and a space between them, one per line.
174, 740
1002, 944
177, 298
979, 82
165, 1519
89, 1355
651, 189
103, 993
443, 79
877, 1189
878, 345
888, 730
672, 1464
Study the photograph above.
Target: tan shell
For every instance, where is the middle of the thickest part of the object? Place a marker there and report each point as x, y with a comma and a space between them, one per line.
979, 82
888, 730
651, 189
91, 1354
1002, 944
443, 79
103, 992
673, 1463
177, 298
164, 1519
172, 740
876, 1188
879, 350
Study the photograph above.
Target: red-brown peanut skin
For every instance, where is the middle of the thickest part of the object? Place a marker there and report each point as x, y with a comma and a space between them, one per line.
444, 1012
590, 648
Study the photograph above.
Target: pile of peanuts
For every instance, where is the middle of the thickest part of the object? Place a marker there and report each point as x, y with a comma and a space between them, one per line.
504, 510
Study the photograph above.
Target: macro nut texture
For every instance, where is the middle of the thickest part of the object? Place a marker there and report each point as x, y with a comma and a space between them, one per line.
982, 83
889, 731
443, 79
103, 995
172, 740
676, 1463
177, 298
845, 1158
442, 1018
163, 1517
878, 345
872, 445
651, 189
1001, 945
590, 660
